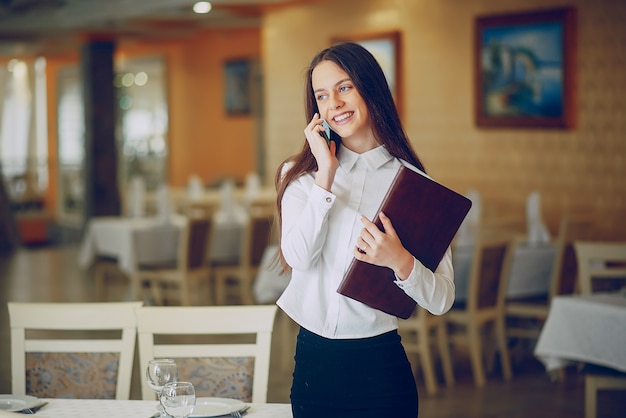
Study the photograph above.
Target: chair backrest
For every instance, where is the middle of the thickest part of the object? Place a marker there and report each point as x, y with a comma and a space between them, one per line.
491, 263
604, 261
257, 236
72, 349
564, 268
193, 242
216, 365
196, 238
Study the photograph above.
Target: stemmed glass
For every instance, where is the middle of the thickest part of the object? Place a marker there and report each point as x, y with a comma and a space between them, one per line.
159, 373
178, 399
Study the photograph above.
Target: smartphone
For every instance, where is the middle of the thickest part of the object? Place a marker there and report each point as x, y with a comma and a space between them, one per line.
326, 132
330, 135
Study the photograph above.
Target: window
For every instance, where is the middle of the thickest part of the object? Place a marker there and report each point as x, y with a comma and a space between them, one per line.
23, 128
142, 121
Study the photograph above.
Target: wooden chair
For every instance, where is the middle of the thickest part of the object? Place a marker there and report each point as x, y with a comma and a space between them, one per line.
195, 338
256, 237
484, 306
600, 263
417, 333
604, 263
525, 315
596, 381
105, 267
190, 265
54, 345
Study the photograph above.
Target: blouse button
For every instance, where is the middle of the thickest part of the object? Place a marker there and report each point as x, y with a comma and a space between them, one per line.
328, 199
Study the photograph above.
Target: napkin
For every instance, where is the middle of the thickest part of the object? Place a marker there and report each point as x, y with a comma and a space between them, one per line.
466, 234
136, 197
195, 188
253, 185
164, 204
537, 232
226, 212
229, 211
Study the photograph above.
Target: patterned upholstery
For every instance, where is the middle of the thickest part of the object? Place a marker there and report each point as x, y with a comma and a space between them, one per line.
223, 350
72, 375
73, 350
223, 377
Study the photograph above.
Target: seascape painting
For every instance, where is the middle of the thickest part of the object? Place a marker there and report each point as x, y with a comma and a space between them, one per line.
522, 65
523, 70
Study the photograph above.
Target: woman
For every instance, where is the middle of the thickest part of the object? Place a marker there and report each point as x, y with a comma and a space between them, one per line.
349, 359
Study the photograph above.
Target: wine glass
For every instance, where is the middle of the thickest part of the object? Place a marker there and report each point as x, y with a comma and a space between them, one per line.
178, 399
158, 373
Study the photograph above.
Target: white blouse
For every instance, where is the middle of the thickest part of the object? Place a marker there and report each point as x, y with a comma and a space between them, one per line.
319, 233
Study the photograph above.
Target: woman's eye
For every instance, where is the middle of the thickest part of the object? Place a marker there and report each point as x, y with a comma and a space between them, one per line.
321, 97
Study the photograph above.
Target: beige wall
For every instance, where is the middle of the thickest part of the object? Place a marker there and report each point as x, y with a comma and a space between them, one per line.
582, 169
203, 139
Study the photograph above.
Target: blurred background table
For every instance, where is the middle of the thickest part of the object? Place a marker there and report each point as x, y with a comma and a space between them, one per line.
210, 199
530, 270
129, 242
115, 237
585, 328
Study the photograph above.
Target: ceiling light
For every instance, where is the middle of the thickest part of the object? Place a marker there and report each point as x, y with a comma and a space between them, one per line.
202, 7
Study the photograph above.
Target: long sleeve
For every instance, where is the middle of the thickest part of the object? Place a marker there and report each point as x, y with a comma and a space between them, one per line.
305, 222
433, 291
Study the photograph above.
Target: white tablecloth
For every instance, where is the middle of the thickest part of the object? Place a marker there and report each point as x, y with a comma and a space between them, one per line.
530, 270
99, 408
115, 236
157, 241
590, 329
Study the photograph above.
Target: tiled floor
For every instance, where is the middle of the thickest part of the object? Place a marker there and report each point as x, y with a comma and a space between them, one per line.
51, 275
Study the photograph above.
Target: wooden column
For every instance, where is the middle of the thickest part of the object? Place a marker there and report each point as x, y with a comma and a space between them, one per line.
101, 189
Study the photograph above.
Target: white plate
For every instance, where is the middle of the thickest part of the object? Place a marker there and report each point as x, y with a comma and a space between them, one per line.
215, 407
14, 403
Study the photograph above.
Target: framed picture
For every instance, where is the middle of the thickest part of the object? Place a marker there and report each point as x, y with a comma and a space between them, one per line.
385, 46
237, 87
524, 69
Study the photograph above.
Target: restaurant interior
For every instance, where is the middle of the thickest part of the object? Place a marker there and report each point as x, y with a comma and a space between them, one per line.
136, 133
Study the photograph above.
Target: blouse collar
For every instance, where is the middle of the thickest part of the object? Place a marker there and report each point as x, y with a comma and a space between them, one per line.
374, 158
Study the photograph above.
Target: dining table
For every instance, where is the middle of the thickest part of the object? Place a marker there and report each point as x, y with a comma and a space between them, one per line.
144, 240
107, 408
212, 198
531, 268
584, 328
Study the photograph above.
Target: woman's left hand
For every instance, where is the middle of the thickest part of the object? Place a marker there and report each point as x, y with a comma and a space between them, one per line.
383, 248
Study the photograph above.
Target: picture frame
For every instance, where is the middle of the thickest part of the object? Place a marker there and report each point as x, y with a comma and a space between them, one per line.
237, 86
524, 69
386, 47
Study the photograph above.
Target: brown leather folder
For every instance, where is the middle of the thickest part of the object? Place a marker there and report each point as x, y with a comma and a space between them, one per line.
426, 216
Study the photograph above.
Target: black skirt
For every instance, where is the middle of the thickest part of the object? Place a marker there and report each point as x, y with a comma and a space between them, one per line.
361, 378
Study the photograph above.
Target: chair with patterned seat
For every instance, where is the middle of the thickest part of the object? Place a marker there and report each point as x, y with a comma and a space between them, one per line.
72, 350
223, 350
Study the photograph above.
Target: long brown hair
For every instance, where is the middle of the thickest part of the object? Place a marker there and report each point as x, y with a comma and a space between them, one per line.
370, 82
